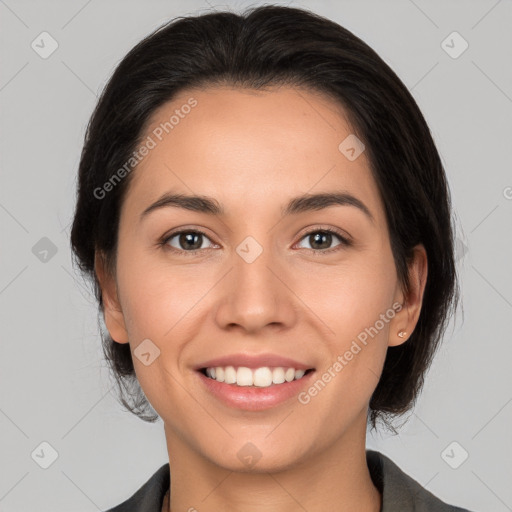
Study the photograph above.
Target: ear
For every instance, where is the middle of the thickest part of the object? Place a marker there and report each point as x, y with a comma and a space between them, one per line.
112, 313
407, 317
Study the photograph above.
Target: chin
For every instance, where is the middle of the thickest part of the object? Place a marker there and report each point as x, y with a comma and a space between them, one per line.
257, 457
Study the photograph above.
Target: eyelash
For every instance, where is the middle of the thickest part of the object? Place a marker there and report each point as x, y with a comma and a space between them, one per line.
345, 242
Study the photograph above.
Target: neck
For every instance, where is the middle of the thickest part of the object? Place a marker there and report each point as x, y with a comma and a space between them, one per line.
338, 474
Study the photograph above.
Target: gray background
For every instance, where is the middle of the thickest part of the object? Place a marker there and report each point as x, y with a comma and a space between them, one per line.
54, 385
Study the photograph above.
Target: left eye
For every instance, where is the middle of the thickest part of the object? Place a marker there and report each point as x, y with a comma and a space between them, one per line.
321, 240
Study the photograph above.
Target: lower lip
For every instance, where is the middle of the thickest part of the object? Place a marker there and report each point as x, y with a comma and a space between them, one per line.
252, 398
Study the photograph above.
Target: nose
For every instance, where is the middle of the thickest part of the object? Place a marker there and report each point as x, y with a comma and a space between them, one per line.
255, 294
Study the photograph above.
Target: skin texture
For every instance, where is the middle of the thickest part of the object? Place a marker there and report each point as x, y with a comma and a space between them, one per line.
253, 151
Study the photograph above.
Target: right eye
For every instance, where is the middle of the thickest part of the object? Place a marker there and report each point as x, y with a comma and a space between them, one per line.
187, 241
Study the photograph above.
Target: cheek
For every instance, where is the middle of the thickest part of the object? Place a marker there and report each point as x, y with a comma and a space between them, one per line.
165, 303
348, 297
354, 303
157, 303
154, 295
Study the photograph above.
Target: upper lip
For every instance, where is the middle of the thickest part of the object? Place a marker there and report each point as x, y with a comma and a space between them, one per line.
254, 361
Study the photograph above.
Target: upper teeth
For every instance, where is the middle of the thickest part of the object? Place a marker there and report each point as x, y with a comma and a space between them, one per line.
261, 377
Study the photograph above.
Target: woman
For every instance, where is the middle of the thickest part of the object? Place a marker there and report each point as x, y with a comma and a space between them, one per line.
267, 224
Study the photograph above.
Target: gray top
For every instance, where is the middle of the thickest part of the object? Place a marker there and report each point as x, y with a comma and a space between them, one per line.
400, 493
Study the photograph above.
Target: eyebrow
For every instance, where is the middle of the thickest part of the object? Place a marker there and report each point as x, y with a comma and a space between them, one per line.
299, 204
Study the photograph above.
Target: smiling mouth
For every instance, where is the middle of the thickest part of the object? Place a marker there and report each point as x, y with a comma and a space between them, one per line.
258, 377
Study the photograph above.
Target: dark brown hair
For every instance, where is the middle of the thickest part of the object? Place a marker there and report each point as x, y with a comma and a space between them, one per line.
265, 46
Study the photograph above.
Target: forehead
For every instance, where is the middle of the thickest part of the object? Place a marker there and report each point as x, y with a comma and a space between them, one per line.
235, 144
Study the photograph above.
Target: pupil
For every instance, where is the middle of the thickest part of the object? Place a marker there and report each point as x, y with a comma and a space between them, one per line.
318, 237
189, 237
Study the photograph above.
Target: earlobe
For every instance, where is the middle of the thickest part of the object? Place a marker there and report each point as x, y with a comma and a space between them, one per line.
405, 321
112, 312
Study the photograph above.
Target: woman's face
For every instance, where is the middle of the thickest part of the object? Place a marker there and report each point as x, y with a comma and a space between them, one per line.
264, 279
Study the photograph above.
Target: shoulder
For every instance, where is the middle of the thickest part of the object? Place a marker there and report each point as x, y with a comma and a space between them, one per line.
400, 491
150, 496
